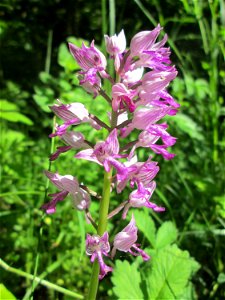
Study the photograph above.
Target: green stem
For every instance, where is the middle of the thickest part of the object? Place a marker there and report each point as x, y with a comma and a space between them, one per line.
39, 280
104, 204
112, 17
47, 271
104, 21
49, 52
213, 80
102, 225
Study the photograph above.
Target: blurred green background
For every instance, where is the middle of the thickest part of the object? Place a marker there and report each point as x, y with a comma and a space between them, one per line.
187, 241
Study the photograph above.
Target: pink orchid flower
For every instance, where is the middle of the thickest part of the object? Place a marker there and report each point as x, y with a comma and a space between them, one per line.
96, 247
126, 241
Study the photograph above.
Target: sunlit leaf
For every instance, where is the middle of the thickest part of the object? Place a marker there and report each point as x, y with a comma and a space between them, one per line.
5, 294
166, 234
171, 270
146, 225
8, 106
126, 279
16, 117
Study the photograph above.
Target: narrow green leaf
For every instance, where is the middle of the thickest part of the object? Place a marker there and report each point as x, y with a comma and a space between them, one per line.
126, 280
8, 106
16, 117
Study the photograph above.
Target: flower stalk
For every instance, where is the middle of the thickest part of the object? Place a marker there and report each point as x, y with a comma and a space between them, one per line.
102, 226
102, 222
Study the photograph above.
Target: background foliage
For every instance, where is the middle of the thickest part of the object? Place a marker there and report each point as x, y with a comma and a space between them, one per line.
187, 242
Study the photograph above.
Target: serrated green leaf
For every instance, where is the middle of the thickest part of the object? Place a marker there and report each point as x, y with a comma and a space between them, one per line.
16, 117
146, 225
188, 293
187, 125
126, 280
5, 294
171, 270
166, 234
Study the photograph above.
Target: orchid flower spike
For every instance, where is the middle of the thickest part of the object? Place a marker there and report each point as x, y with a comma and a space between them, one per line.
138, 100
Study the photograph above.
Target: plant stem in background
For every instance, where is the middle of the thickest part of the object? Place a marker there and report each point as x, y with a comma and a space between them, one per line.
104, 21
211, 47
49, 52
213, 76
112, 17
